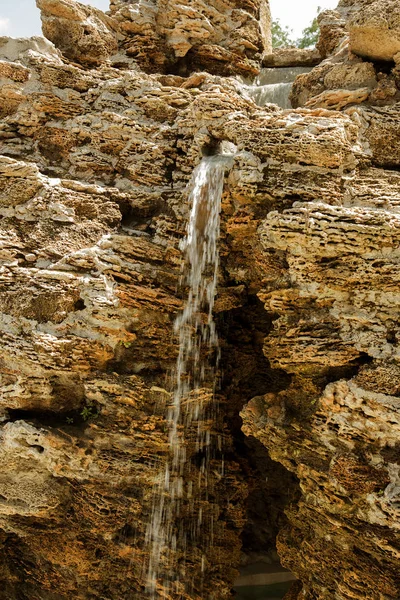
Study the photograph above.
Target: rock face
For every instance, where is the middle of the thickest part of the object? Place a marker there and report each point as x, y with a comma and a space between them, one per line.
83, 33
374, 28
162, 35
359, 42
226, 38
99, 137
93, 191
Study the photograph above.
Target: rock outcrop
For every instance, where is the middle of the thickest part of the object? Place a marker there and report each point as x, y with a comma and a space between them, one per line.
99, 137
224, 38
374, 28
292, 57
84, 34
358, 42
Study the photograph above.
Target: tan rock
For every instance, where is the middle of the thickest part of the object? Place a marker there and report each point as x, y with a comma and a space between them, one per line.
350, 76
221, 38
292, 57
386, 91
83, 33
93, 204
338, 99
375, 29
381, 132
332, 32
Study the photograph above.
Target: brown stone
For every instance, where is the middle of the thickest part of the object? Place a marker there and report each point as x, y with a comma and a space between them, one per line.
83, 33
96, 158
332, 28
374, 28
337, 99
292, 57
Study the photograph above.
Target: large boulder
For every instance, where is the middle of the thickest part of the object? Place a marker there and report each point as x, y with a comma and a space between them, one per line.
84, 34
375, 29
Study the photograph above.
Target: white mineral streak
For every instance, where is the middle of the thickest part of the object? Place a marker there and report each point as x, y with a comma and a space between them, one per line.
196, 332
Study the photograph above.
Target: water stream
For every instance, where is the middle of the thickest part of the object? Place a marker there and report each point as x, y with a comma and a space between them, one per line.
180, 531
273, 86
190, 413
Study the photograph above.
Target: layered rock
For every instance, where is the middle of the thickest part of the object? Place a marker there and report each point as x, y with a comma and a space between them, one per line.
374, 28
335, 306
358, 42
292, 57
94, 174
224, 38
83, 33
94, 169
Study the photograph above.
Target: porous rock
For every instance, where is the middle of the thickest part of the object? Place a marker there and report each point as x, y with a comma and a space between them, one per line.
94, 172
292, 57
224, 38
345, 66
374, 28
84, 34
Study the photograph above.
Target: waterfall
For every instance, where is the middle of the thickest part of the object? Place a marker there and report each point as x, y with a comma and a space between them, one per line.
274, 93
274, 85
191, 411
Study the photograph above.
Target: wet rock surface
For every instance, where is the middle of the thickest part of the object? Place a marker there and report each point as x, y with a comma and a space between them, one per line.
99, 137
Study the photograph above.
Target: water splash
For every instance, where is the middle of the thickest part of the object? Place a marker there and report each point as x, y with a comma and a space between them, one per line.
177, 515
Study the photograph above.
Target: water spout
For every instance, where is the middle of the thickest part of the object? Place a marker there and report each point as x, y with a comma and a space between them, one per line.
192, 407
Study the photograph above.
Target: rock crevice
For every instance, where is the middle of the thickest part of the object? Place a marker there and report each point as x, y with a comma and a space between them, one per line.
99, 137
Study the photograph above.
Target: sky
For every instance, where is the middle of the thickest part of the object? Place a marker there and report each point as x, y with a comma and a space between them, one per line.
20, 18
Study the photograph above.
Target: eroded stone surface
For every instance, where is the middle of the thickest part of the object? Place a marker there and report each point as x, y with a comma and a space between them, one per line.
292, 57
374, 28
346, 66
94, 170
83, 33
224, 38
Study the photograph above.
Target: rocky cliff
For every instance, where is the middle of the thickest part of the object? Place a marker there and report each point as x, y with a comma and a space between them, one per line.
101, 129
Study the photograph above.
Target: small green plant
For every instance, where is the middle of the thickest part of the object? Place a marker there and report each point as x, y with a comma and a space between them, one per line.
127, 344
310, 34
88, 412
69, 420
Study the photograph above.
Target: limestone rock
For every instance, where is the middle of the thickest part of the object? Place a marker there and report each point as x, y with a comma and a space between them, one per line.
326, 311
332, 32
94, 171
83, 33
292, 57
375, 29
222, 38
381, 132
92, 207
337, 99
342, 67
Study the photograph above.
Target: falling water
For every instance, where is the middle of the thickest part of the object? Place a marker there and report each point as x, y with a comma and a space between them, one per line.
273, 86
273, 93
193, 383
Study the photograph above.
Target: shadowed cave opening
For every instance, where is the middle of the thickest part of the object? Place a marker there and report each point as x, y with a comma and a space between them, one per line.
246, 373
